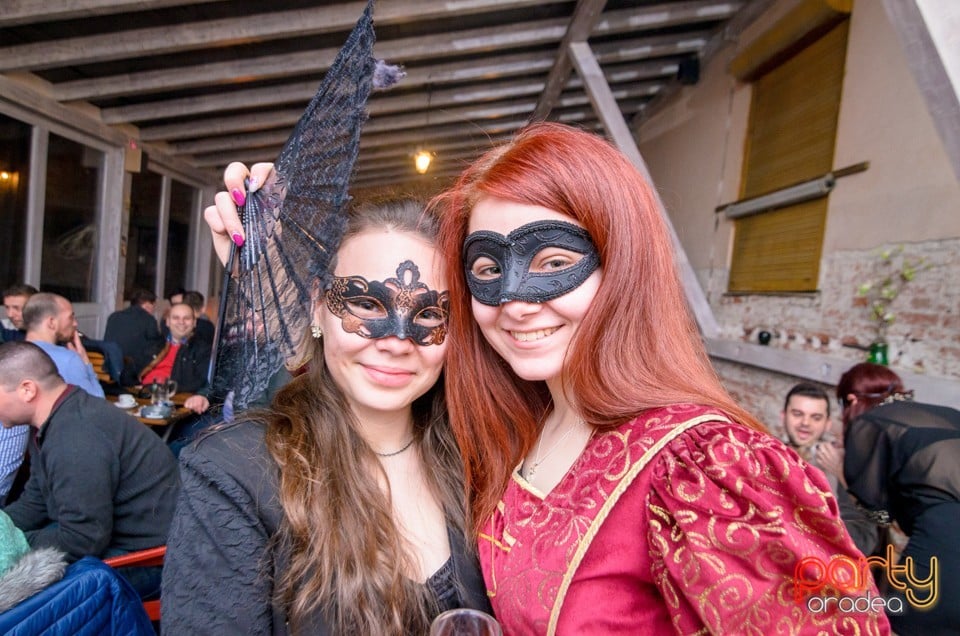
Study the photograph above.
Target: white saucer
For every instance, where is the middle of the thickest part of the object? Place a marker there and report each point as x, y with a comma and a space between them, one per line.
149, 413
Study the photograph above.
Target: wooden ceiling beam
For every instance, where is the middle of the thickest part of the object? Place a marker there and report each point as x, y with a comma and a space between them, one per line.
585, 17
388, 152
380, 105
299, 93
329, 18
396, 113
233, 145
486, 40
15, 12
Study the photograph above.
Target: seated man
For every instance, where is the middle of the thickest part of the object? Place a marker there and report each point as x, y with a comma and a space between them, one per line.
184, 358
806, 423
101, 483
205, 329
13, 441
14, 298
136, 331
50, 321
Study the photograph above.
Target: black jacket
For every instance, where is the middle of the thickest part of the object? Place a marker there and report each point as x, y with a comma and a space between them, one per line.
220, 564
99, 480
190, 368
138, 335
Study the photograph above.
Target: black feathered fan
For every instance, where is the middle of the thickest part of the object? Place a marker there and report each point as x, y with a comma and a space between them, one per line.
293, 226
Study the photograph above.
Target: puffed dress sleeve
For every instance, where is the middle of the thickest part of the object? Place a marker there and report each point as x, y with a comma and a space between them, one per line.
732, 511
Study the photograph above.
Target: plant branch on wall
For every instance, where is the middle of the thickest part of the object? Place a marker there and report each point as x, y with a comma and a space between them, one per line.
892, 272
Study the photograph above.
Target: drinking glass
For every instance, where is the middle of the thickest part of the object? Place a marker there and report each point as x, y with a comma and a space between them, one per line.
156, 393
169, 390
465, 622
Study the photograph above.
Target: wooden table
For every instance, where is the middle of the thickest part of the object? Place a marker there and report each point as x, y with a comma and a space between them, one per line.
168, 422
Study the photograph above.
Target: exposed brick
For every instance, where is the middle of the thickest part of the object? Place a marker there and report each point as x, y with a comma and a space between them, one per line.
925, 336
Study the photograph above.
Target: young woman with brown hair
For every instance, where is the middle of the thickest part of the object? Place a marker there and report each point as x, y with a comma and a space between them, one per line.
615, 486
339, 509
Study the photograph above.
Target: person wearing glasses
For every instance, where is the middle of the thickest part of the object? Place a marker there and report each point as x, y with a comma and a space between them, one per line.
902, 462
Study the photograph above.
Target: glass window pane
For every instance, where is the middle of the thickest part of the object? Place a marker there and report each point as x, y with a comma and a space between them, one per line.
70, 219
141, 268
182, 199
14, 174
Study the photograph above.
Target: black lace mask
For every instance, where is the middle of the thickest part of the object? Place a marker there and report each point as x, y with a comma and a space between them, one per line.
402, 306
510, 276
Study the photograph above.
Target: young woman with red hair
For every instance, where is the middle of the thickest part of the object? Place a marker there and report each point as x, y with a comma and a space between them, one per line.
615, 486
902, 463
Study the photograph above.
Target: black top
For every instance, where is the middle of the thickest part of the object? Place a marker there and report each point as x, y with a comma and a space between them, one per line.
903, 458
218, 571
99, 480
136, 331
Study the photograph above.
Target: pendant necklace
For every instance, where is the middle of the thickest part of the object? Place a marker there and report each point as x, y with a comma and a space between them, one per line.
532, 468
396, 452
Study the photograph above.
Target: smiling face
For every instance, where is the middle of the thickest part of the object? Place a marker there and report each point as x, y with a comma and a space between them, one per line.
181, 321
533, 337
805, 420
382, 338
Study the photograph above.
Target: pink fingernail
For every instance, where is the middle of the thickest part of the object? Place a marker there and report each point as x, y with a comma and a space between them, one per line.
237, 239
238, 197
252, 184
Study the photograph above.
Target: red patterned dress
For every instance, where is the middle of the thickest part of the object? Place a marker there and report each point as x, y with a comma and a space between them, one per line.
677, 522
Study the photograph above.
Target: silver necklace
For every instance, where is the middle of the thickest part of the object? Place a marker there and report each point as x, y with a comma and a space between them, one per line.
532, 468
396, 452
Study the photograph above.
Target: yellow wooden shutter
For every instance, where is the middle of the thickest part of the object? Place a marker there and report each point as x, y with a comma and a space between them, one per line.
793, 122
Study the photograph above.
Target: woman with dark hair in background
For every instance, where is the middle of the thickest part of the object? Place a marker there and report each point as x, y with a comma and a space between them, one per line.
340, 508
902, 462
616, 487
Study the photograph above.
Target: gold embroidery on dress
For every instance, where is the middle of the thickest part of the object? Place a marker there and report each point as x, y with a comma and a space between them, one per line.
629, 475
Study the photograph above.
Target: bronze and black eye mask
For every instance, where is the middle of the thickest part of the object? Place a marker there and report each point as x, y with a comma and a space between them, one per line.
402, 306
507, 272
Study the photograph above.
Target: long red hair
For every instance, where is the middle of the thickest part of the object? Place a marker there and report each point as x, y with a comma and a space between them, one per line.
637, 347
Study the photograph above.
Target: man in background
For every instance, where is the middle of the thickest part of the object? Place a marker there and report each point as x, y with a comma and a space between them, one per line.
14, 298
204, 329
13, 441
101, 483
184, 358
49, 320
136, 331
807, 423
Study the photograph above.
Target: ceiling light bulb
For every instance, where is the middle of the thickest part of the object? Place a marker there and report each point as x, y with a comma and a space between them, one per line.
422, 161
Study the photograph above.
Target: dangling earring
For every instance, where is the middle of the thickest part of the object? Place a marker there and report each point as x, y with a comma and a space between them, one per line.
316, 331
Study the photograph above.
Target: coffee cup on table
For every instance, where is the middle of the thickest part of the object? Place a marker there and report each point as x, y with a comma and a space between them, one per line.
126, 401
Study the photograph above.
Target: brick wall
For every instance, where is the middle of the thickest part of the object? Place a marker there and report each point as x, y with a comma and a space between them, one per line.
925, 338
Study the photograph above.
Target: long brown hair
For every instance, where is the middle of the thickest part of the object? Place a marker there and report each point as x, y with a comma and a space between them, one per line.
345, 554
637, 347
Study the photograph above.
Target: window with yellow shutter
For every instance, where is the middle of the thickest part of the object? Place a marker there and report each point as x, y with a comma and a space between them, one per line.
790, 139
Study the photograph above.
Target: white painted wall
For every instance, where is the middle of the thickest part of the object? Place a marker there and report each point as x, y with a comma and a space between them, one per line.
694, 151
909, 193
